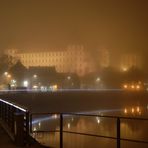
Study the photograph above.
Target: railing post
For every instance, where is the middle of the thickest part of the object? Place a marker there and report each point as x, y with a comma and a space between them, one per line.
27, 126
61, 130
0, 109
19, 129
31, 123
118, 132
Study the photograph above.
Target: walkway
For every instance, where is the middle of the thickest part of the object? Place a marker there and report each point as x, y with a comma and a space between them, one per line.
6, 142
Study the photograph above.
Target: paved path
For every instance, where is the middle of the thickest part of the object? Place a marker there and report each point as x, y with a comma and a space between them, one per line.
6, 142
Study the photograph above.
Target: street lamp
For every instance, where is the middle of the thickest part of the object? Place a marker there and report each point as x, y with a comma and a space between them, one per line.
8, 76
98, 79
6, 73
35, 76
69, 77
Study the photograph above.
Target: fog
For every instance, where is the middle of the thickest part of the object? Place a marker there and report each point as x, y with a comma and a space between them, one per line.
36, 24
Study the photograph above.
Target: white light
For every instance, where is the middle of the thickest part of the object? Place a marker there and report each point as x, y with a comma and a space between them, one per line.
13, 81
35, 86
124, 68
5, 73
25, 83
55, 116
34, 129
125, 86
98, 120
9, 76
98, 79
68, 125
125, 110
68, 77
35, 76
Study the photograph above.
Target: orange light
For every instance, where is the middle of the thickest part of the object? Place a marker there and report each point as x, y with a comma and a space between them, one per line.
132, 86
9, 76
125, 111
125, 86
138, 87
138, 109
133, 110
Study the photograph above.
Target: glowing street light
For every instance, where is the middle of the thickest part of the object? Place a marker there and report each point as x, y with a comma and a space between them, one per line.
133, 110
6, 73
8, 76
35, 76
69, 77
98, 79
68, 125
125, 86
132, 86
98, 120
124, 69
138, 87
125, 111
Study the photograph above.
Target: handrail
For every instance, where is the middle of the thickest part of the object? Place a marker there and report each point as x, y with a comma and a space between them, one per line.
89, 115
20, 107
8, 112
118, 127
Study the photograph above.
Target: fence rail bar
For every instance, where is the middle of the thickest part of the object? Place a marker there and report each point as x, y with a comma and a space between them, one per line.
118, 133
61, 130
7, 115
7, 110
91, 135
91, 115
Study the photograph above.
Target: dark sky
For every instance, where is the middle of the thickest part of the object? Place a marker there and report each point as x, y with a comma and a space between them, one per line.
120, 25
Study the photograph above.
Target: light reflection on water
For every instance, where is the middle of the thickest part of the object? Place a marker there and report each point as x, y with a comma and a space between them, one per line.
130, 129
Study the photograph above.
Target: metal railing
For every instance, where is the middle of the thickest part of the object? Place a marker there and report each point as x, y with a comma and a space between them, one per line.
61, 130
8, 111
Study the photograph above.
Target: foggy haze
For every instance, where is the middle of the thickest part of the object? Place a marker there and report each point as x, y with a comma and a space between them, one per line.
36, 24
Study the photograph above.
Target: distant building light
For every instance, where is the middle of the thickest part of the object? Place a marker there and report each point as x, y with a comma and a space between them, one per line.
68, 125
6, 73
133, 110
39, 124
55, 87
35, 87
34, 129
125, 111
55, 116
69, 77
25, 83
138, 87
9, 76
138, 109
125, 86
43, 88
34, 76
13, 81
13, 85
124, 69
98, 120
132, 86
98, 79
